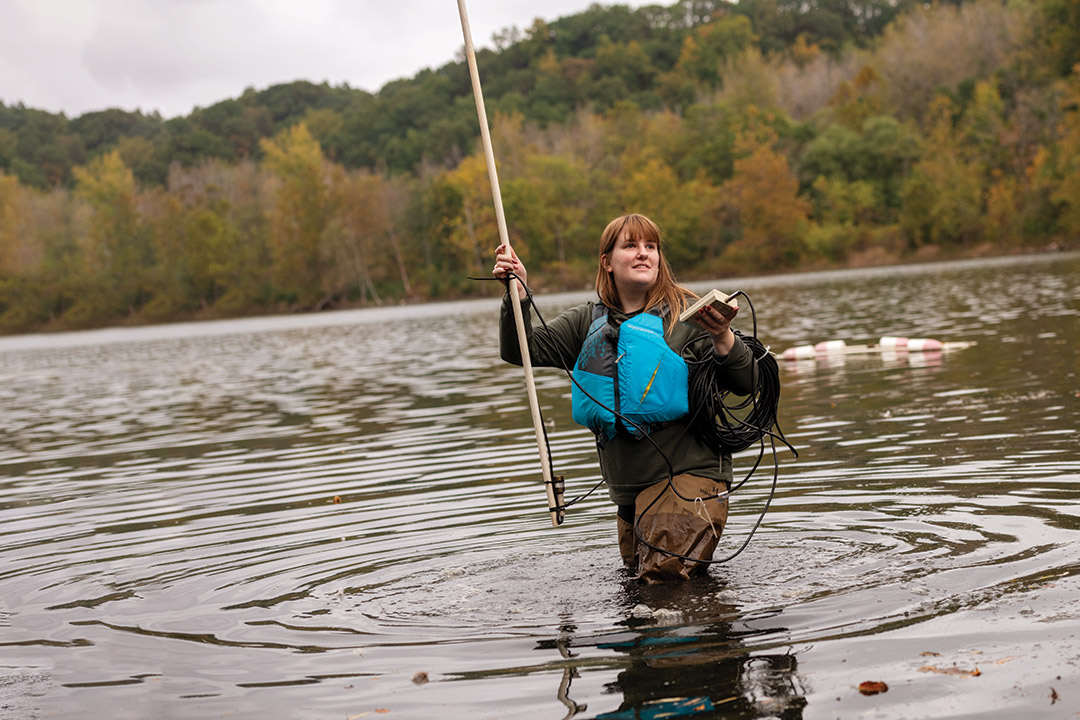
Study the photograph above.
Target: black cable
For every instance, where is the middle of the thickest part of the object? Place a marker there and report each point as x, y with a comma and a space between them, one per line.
734, 428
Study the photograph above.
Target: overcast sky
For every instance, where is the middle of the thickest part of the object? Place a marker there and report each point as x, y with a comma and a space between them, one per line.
77, 56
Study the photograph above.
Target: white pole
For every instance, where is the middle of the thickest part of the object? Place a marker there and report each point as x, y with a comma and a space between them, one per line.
515, 301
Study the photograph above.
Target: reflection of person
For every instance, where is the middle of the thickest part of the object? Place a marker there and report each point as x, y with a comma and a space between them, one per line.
673, 675
629, 353
697, 666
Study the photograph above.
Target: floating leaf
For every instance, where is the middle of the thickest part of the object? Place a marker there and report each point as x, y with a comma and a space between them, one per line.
951, 670
872, 687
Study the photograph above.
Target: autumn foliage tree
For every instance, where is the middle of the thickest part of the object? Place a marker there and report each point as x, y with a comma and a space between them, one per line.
116, 253
763, 200
303, 205
942, 198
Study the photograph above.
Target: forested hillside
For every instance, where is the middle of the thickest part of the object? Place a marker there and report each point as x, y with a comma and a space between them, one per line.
763, 135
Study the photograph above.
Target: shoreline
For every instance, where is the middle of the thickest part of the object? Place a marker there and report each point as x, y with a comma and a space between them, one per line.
925, 256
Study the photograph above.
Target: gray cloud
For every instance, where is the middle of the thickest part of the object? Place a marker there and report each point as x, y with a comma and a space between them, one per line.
172, 55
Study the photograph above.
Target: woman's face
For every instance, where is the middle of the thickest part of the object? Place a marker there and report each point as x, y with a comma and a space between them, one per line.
634, 264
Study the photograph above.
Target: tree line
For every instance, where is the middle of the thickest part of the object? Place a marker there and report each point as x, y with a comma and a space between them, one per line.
762, 136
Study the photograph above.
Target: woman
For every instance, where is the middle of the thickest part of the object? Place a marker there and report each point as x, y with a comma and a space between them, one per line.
629, 355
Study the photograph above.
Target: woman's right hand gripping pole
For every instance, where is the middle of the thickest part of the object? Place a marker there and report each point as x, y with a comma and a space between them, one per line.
507, 261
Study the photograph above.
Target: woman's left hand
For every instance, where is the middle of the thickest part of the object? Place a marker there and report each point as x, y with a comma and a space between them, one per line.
719, 327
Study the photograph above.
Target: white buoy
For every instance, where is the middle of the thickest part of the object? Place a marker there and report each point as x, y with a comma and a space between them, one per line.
910, 344
888, 345
800, 352
923, 345
831, 346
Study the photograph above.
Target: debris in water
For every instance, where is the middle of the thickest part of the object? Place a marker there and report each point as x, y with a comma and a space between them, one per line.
930, 653
420, 678
1053, 696
951, 671
665, 616
873, 687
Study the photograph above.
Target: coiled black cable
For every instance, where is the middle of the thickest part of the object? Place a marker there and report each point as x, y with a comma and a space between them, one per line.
734, 428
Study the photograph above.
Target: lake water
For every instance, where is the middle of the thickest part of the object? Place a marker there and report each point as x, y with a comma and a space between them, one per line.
341, 516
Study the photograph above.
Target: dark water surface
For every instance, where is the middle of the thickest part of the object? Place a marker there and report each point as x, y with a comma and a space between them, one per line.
170, 544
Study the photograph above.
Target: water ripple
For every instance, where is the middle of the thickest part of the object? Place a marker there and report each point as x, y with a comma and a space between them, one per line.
244, 498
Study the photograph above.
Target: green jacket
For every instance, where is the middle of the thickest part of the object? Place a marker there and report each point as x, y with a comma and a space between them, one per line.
627, 464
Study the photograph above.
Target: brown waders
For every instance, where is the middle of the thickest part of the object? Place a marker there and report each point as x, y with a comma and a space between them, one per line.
687, 527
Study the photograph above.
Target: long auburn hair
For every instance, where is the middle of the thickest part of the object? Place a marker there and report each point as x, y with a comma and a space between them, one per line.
665, 290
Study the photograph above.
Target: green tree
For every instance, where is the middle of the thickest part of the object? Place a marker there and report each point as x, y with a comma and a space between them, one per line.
652, 188
768, 216
1060, 30
116, 255
942, 198
705, 52
547, 207
303, 206
879, 154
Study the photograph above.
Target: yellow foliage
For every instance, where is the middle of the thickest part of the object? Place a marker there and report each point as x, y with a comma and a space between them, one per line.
475, 230
109, 188
803, 52
9, 189
303, 206
859, 100
943, 193
105, 180
763, 193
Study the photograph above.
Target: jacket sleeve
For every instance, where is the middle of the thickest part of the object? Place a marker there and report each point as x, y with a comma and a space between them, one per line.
556, 345
736, 371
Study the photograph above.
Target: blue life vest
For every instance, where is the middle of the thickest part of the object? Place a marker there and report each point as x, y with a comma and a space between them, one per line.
629, 369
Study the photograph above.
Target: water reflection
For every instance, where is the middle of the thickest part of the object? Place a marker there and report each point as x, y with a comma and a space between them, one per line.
704, 682
687, 660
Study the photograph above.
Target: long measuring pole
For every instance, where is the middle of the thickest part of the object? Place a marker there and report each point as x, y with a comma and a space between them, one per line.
504, 238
